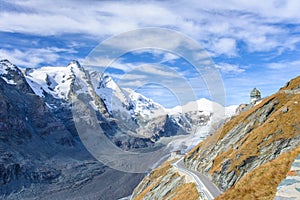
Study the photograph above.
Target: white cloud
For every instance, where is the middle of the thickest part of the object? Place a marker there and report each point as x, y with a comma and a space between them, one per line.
284, 65
225, 46
251, 21
128, 77
33, 57
229, 68
220, 26
169, 57
158, 70
157, 53
132, 84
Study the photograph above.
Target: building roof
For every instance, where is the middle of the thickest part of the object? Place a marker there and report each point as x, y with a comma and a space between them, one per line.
255, 92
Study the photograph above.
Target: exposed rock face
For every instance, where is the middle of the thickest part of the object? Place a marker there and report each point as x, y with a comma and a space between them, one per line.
12, 75
23, 114
251, 139
242, 107
40, 157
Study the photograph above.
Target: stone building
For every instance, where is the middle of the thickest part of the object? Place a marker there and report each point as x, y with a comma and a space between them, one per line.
255, 95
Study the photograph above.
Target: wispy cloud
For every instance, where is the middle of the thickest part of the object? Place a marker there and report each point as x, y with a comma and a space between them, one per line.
256, 24
225, 46
34, 57
230, 68
169, 57
284, 65
236, 33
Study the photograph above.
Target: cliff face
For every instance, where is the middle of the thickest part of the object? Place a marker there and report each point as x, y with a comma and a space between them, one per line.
251, 139
251, 154
40, 158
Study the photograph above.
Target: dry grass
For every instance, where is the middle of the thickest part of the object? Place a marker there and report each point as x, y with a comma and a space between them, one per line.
161, 171
279, 126
154, 179
185, 191
262, 182
222, 131
292, 84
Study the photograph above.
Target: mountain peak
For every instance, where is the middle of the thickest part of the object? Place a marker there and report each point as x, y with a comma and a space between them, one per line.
6, 65
4, 61
9, 72
74, 64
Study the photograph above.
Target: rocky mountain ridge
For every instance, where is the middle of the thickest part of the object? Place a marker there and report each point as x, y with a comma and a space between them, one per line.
139, 118
56, 85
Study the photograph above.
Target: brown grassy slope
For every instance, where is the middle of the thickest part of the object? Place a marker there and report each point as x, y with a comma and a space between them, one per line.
185, 191
152, 181
292, 85
221, 132
262, 182
279, 127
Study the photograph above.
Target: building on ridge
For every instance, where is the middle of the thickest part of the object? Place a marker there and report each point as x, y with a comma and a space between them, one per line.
255, 95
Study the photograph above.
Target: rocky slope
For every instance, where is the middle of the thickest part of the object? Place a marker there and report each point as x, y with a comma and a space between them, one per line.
251, 154
40, 157
166, 182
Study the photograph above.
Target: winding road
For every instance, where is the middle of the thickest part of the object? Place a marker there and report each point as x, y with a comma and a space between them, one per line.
202, 182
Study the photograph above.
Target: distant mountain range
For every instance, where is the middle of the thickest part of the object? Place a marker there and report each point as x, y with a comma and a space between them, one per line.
41, 152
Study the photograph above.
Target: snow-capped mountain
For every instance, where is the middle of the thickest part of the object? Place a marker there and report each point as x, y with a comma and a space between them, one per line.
12, 75
129, 119
8, 72
136, 114
58, 82
39, 145
41, 156
204, 105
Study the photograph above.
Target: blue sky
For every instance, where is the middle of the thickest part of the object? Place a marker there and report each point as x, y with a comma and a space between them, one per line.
252, 44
